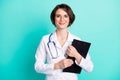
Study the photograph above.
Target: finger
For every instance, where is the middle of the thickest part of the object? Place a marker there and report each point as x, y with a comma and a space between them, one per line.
69, 47
70, 62
68, 50
68, 53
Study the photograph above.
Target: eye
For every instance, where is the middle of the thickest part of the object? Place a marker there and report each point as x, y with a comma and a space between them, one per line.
57, 16
66, 16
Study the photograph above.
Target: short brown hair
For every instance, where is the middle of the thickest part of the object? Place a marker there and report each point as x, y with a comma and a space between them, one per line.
67, 9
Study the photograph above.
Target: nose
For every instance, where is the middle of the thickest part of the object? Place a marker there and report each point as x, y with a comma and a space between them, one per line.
61, 18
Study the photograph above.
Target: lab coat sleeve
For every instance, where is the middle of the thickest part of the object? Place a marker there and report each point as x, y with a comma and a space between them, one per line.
86, 63
40, 56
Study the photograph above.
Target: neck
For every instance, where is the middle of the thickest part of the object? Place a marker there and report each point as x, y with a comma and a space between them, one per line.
62, 33
62, 36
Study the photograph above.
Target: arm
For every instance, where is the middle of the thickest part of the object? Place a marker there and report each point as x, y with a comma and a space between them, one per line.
46, 68
40, 57
63, 64
85, 63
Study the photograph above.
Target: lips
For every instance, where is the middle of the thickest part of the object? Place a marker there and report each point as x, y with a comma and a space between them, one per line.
61, 23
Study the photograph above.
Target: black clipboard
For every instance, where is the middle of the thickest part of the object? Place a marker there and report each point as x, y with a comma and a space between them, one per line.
82, 47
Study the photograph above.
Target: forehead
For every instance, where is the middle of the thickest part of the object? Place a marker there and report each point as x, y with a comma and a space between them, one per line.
61, 11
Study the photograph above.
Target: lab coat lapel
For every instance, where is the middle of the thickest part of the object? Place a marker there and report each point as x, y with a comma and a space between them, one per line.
54, 38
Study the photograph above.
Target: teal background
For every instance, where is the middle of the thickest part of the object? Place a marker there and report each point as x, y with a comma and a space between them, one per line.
24, 22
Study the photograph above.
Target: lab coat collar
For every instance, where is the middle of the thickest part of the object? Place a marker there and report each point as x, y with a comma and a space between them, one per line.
70, 37
54, 38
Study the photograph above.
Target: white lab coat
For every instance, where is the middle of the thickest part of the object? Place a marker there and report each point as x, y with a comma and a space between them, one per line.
47, 67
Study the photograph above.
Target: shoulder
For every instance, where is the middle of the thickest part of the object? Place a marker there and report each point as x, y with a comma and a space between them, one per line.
45, 37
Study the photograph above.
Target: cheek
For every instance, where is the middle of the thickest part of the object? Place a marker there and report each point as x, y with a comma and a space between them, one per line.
56, 20
67, 20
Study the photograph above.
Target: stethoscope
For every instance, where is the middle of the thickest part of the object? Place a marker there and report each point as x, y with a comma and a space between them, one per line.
52, 48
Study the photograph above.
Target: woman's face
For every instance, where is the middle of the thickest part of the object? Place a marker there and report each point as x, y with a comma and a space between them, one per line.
61, 19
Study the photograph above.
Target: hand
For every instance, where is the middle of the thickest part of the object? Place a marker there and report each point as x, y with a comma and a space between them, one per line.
63, 64
72, 52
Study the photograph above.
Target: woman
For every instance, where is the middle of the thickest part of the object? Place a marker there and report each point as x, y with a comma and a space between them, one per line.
55, 46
